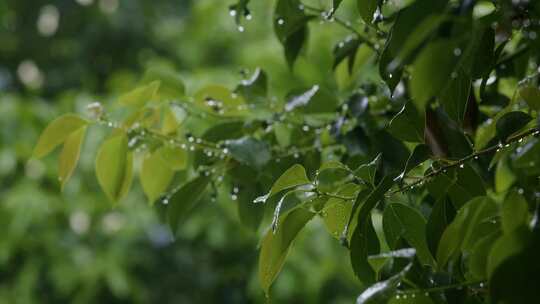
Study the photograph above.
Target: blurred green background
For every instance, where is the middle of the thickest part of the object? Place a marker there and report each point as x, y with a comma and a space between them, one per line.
58, 56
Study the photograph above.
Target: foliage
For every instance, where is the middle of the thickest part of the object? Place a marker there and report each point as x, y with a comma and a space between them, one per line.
425, 159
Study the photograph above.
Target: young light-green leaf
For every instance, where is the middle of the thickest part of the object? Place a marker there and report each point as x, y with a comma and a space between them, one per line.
70, 155
57, 132
155, 175
114, 167
275, 246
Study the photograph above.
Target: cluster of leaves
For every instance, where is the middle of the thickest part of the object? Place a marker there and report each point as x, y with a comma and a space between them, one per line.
427, 174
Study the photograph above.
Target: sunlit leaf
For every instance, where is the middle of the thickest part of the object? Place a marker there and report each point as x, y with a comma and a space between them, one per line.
114, 163
57, 132
70, 155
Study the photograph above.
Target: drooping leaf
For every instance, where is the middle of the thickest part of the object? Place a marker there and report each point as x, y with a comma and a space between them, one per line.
504, 176
156, 175
336, 212
290, 27
275, 246
367, 9
57, 132
462, 232
402, 221
364, 242
479, 256
114, 167
293, 177
185, 199
70, 155
250, 151
441, 216
346, 48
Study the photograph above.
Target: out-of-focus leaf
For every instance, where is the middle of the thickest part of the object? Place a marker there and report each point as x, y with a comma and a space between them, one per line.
221, 101
293, 177
527, 157
176, 158
254, 90
382, 292
250, 151
531, 95
479, 256
504, 176
367, 9
156, 175
171, 84
114, 167
514, 212
509, 244
185, 199
346, 48
314, 100
57, 132
70, 155
275, 246
141, 95
461, 233
431, 71
402, 221
511, 123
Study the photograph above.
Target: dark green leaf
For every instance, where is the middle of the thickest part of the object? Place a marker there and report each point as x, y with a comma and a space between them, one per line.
402, 221
515, 212
255, 88
441, 216
382, 292
455, 96
184, 200
511, 123
531, 95
407, 125
346, 48
293, 177
367, 9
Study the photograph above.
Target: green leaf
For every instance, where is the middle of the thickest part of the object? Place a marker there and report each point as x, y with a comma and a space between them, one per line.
479, 256
420, 154
221, 101
441, 216
455, 96
156, 175
511, 123
337, 212
368, 171
185, 199
504, 176
364, 242
254, 90
407, 125
508, 245
176, 158
114, 167
346, 48
531, 95
407, 22
140, 96
516, 279
275, 246
467, 185
290, 27
462, 232
293, 177
431, 71
328, 179
367, 9
70, 155
57, 132
171, 84
514, 212
250, 151
402, 221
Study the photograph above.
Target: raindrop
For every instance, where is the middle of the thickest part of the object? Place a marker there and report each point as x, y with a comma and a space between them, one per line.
191, 148
225, 151
305, 128
280, 21
461, 166
234, 197
235, 189
232, 12
457, 52
198, 140
296, 155
191, 139
249, 17
241, 29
